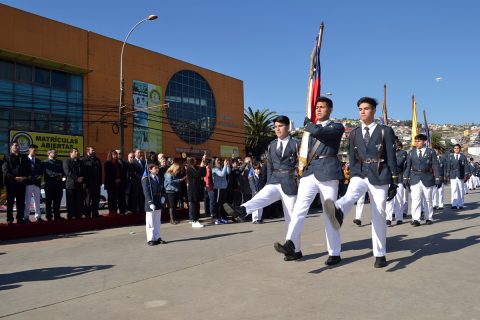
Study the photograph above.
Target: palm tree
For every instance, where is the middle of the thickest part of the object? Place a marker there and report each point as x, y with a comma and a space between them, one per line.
259, 130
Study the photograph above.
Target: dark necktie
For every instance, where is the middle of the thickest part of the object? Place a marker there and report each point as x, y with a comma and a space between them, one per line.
420, 153
366, 137
280, 149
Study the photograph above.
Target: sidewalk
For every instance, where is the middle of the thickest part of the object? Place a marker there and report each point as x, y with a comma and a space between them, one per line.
232, 272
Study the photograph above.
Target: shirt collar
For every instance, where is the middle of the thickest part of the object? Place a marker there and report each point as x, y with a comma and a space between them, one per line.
324, 123
371, 126
285, 139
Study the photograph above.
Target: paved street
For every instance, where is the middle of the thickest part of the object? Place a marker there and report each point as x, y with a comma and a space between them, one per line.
232, 272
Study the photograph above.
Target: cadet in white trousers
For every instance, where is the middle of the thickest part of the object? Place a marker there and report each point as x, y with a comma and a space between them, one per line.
321, 175
438, 194
154, 192
422, 175
395, 206
455, 173
281, 185
359, 210
372, 169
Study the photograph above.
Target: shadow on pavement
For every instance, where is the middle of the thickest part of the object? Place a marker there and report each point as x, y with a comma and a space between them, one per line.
12, 280
213, 236
49, 237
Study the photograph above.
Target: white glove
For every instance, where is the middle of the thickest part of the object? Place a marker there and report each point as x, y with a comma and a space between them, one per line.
152, 206
162, 200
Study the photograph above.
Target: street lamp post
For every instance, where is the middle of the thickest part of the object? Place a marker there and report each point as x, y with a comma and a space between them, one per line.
121, 108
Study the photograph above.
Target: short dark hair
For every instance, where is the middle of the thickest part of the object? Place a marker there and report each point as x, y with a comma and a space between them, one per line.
151, 165
257, 165
328, 101
33, 146
371, 101
457, 145
71, 150
421, 136
282, 119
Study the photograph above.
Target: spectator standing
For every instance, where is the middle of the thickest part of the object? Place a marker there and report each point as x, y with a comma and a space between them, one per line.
75, 177
256, 184
33, 185
194, 189
54, 185
172, 187
220, 183
138, 167
16, 170
114, 182
93, 182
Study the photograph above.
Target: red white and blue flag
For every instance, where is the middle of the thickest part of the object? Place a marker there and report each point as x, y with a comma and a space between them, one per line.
314, 84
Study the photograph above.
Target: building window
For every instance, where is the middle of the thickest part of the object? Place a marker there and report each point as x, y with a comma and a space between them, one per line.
191, 112
39, 99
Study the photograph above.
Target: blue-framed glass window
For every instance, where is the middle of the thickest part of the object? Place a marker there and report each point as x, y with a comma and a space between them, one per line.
191, 112
38, 99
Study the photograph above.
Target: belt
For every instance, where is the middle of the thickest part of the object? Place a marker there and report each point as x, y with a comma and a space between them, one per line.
421, 171
283, 170
323, 156
372, 160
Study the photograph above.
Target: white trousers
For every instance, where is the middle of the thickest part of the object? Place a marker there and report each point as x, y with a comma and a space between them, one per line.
395, 206
307, 190
406, 194
268, 195
32, 190
419, 193
257, 215
458, 192
438, 197
152, 224
359, 208
378, 199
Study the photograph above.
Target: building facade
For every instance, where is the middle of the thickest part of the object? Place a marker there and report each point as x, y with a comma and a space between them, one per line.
60, 87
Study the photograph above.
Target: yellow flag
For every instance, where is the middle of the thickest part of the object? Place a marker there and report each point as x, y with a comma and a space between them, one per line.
414, 120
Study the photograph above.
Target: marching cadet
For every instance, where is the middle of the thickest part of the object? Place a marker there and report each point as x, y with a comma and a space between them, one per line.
373, 168
359, 210
153, 190
281, 184
422, 173
455, 174
322, 175
438, 192
472, 180
395, 206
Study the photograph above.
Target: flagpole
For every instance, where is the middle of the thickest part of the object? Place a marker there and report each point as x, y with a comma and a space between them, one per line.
385, 115
303, 152
414, 120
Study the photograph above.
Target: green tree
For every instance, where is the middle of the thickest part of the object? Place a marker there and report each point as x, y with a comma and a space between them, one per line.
259, 130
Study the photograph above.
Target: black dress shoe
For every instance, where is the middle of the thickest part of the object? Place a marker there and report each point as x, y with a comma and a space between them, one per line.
454, 208
389, 222
415, 223
333, 213
429, 222
237, 212
152, 243
460, 208
288, 248
399, 222
380, 262
358, 222
296, 256
333, 260
435, 208
160, 241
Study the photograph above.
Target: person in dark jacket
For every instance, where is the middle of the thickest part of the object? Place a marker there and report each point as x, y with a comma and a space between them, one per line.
75, 177
54, 184
114, 182
33, 185
17, 171
172, 188
256, 184
195, 189
137, 169
93, 182
153, 191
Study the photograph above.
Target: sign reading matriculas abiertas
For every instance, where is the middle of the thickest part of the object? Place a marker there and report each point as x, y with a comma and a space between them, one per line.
62, 143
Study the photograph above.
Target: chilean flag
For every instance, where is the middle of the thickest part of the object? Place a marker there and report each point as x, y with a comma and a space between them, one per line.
315, 77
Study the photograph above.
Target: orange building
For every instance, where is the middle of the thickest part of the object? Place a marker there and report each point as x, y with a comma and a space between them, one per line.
59, 87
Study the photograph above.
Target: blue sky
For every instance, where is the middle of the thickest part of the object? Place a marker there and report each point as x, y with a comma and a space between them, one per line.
267, 44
